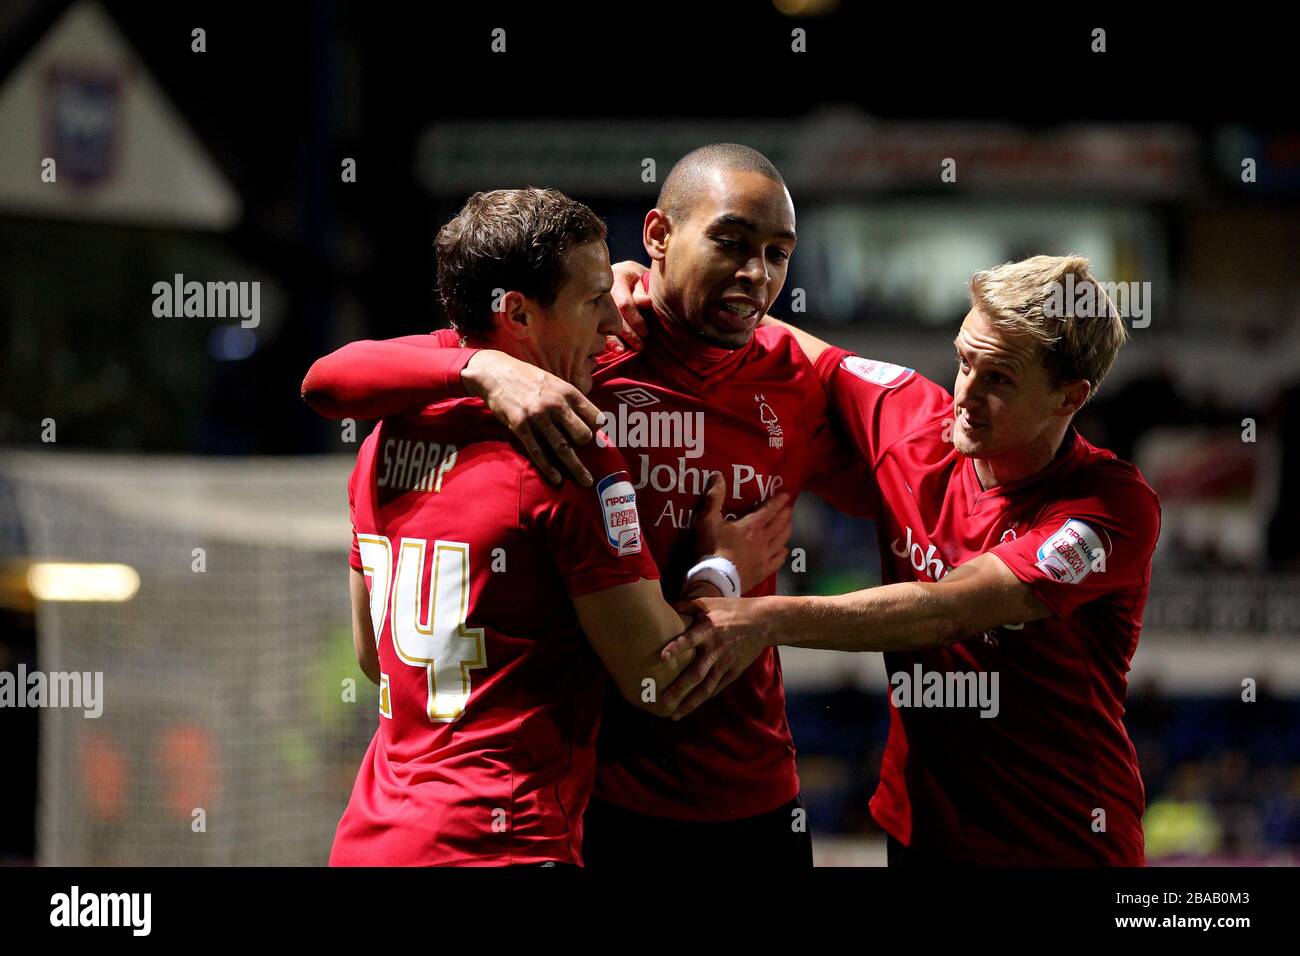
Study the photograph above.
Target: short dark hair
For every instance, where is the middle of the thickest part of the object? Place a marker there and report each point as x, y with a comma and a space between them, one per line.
681, 189
512, 239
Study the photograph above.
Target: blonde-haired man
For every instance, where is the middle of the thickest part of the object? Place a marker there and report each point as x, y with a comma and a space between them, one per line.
1016, 558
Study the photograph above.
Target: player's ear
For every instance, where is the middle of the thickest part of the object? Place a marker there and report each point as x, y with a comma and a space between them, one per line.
512, 315
654, 234
1074, 395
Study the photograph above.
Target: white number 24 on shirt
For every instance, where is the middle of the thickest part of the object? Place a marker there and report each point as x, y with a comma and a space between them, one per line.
437, 640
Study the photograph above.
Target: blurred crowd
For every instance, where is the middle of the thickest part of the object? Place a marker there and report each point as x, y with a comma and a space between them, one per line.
1222, 776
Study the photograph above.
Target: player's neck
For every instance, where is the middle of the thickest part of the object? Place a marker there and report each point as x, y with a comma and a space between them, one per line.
1021, 464
524, 349
658, 302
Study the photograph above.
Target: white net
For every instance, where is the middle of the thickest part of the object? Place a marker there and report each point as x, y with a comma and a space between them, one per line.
229, 735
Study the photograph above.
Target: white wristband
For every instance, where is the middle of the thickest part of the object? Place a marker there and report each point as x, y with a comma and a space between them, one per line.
719, 572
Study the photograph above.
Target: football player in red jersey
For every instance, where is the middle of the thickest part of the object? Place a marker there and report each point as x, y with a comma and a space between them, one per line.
1017, 559
474, 581
707, 397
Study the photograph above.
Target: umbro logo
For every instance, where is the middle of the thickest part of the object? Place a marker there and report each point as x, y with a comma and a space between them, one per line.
637, 397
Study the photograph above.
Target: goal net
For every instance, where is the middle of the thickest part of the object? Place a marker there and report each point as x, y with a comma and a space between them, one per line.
234, 715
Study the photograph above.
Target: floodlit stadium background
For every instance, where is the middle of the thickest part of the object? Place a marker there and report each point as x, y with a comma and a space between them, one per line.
182, 450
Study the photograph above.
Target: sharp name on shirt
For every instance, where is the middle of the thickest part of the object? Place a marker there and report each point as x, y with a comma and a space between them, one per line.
416, 465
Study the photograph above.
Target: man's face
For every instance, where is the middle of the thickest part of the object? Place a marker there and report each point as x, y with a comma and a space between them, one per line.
725, 260
1003, 397
571, 331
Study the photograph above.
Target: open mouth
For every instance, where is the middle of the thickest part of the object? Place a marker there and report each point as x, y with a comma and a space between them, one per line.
736, 314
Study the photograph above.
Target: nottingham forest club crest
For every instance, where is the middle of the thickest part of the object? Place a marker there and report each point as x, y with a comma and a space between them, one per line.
775, 437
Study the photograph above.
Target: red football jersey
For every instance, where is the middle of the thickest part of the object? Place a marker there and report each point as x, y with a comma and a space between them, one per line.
680, 410
1036, 767
490, 695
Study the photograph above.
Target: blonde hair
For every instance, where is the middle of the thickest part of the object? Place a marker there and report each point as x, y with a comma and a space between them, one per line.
1032, 297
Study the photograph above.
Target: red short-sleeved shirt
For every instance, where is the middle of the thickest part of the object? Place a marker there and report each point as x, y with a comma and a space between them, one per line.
1050, 777
490, 696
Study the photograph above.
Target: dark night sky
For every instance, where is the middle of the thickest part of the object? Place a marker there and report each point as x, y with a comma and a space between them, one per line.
284, 90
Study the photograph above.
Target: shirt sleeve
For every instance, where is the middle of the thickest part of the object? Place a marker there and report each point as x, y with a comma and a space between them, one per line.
837, 473
594, 534
1090, 543
878, 402
380, 378
354, 557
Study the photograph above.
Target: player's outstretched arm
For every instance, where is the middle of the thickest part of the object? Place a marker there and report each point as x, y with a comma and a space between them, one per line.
978, 596
376, 379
